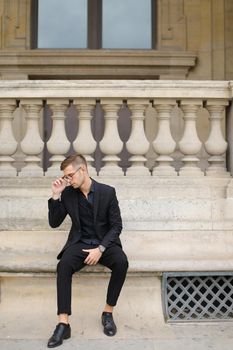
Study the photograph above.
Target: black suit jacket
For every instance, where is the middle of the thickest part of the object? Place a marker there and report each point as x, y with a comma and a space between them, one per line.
107, 216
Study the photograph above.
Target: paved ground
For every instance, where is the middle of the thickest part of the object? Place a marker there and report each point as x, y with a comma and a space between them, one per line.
174, 337
28, 317
142, 344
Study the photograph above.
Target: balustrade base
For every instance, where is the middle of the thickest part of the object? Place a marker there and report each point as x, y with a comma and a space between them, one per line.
190, 171
164, 171
217, 174
6, 167
217, 170
31, 171
109, 170
8, 172
53, 172
138, 171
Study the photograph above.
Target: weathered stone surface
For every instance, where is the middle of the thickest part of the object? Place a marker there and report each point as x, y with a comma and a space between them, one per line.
180, 89
148, 251
28, 320
150, 204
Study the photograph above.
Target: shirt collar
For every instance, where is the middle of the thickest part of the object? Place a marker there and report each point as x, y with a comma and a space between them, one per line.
92, 188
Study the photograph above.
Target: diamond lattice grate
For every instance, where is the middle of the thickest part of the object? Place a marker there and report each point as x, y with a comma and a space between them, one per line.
197, 297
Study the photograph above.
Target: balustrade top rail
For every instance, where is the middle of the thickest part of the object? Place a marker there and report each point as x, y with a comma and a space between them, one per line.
116, 88
109, 97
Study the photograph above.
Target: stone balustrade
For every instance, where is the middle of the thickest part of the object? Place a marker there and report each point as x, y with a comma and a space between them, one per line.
186, 101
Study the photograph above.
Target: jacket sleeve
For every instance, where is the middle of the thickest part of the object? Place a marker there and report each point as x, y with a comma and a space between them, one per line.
115, 222
57, 212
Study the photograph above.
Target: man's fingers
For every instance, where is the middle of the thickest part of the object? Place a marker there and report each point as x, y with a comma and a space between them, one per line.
58, 181
92, 257
87, 260
90, 261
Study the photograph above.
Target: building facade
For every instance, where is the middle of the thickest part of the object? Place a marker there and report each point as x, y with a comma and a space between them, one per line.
155, 122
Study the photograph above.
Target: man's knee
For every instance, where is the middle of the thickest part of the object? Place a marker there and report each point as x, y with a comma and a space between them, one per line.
122, 263
64, 266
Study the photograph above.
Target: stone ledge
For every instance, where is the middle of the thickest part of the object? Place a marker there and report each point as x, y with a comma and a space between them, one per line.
125, 89
34, 267
96, 63
148, 251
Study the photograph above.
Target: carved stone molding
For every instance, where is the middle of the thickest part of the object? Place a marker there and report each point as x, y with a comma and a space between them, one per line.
75, 64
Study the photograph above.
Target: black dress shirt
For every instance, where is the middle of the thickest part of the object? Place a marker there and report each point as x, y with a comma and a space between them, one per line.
86, 216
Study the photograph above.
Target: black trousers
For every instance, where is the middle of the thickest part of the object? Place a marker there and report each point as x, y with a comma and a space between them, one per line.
73, 260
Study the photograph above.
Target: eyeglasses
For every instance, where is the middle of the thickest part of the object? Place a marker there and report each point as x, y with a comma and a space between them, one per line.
70, 176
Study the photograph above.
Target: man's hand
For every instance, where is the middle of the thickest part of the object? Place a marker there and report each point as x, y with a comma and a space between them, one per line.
57, 187
93, 256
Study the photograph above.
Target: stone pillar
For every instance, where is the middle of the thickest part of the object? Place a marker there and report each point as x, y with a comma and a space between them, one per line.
111, 144
8, 143
138, 145
216, 145
32, 144
164, 143
58, 144
190, 144
84, 143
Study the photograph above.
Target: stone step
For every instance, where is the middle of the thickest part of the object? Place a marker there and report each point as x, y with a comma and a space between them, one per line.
29, 304
148, 251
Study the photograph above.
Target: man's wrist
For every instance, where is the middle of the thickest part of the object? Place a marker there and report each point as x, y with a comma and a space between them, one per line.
56, 196
101, 248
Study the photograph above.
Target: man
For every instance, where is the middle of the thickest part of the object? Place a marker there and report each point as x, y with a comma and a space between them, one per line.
93, 238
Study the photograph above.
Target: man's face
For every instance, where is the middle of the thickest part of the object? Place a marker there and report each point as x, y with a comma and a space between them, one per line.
74, 176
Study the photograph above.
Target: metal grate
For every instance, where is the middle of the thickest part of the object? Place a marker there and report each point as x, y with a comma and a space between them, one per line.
197, 296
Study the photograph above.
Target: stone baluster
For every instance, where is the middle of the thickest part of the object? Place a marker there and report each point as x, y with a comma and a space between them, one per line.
58, 144
190, 144
164, 143
111, 144
216, 145
8, 144
84, 143
32, 144
137, 145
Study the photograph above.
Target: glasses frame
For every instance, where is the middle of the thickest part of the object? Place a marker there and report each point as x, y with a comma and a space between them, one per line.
69, 177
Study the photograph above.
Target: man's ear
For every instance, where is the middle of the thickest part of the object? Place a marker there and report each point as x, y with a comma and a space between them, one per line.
82, 168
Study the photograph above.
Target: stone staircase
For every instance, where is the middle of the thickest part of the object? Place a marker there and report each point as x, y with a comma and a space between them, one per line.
170, 224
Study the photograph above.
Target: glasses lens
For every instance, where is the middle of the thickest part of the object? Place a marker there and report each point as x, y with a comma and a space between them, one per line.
66, 178
69, 177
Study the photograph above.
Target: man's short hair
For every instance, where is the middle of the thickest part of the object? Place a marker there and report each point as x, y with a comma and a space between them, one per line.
75, 160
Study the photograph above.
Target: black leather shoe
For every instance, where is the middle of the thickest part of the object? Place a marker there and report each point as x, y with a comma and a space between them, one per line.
110, 328
62, 331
